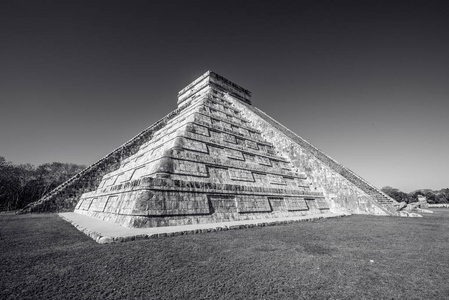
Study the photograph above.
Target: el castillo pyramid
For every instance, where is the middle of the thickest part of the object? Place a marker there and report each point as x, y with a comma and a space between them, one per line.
216, 158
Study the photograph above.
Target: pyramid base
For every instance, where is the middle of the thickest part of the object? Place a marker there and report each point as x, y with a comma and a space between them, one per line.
159, 202
182, 220
104, 232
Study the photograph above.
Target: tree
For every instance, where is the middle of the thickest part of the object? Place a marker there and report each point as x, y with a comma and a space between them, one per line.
397, 194
24, 183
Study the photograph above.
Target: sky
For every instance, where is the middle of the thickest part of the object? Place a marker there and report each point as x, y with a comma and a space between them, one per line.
367, 82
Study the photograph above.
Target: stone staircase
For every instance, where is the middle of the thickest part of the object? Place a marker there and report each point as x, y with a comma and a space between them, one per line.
368, 188
383, 199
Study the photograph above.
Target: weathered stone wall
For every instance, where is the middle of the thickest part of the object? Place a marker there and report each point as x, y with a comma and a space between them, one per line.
153, 202
325, 175
216, 158
208, 164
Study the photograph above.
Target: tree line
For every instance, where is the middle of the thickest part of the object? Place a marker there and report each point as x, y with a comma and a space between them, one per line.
24, 183
21, 184
433, 197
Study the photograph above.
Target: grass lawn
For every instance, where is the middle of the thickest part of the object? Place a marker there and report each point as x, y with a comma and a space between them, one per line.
356, 257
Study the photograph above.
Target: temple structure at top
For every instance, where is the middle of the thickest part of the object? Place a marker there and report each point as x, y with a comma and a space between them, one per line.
211, 80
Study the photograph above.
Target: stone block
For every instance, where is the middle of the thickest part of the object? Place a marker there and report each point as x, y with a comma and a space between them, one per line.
112, 205
203, 119
322, 203
194, 145
276, 179
139, 172
263, 160
125, 176
241, 175
105, 240
228, 138
189, 168
85, 203
235, 154
222, 204
251, 145
199, 129
295, 203
277, 204
98, 204
245, 132
247, 204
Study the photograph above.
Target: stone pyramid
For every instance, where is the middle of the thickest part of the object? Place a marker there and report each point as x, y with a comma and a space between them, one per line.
216, 158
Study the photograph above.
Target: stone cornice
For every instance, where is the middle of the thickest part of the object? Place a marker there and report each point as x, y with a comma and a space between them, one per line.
200, 187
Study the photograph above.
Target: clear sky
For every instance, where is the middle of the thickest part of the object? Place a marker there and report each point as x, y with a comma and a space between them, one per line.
367, 82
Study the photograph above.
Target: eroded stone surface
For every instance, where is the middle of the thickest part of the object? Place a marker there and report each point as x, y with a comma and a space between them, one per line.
217, 158
343, 190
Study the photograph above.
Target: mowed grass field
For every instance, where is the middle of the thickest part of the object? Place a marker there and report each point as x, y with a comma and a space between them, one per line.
355, 257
